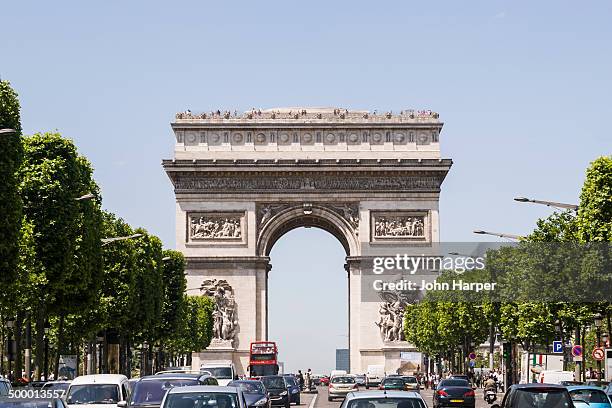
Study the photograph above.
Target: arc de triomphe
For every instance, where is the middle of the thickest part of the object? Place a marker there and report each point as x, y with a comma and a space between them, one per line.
242, 181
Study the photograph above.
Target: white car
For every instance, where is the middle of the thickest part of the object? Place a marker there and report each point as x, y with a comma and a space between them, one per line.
98, 391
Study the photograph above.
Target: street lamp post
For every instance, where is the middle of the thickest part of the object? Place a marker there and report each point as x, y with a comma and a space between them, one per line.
547, 203
598, 319
106, 241
100, 342
47, 328
499, 234
559, 331
10, 354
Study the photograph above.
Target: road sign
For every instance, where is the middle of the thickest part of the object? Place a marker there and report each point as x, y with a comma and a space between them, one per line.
557, 347
472, 356
577, 358
598, 353
577, 350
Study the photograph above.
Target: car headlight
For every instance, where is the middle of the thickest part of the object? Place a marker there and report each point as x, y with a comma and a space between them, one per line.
261, 402
282, 394
295, 391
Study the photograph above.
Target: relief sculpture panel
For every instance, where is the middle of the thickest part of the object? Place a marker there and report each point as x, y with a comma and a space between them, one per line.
399, 226
216, 227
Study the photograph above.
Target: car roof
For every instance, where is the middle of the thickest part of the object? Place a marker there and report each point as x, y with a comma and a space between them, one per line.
167, 376
383, 394
583, 387
6, 399
246, 381
538, 385
99, 378
194, 389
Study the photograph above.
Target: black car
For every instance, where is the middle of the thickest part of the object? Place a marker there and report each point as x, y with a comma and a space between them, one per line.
255, 393
277, 390
454, 393
536, 395
149, 391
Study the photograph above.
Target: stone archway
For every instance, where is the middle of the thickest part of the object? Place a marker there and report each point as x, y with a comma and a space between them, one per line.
242, 182
277, 219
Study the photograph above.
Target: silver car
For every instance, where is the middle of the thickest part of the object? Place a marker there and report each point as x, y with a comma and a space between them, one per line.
204, 396
384, 399
340, 385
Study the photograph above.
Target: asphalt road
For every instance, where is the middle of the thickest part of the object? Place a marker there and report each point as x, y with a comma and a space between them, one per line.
321, 399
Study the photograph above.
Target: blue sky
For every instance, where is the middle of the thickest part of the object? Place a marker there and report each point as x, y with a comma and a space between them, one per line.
523, 87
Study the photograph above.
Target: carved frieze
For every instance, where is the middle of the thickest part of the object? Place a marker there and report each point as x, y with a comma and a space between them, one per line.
399, 225
214, 226
297, 183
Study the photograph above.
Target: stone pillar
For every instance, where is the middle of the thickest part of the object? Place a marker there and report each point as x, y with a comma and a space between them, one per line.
353, 268
247, 277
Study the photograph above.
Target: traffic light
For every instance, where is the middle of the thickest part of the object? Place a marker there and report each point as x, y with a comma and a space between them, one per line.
506, 351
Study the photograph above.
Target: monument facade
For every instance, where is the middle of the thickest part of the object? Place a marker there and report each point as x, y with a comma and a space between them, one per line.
241, 181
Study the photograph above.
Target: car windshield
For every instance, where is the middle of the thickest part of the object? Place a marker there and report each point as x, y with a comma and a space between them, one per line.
386, 403
250, 387
590, 396
290, 381
93, 394
343, 380
201, 400
221, 373
25, 403
454, 383
410, 380
152, 391
263, 370
393, 381
56, 386
541, 398
273, 382
4, 390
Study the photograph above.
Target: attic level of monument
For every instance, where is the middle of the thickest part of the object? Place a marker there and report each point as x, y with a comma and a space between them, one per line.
305, 133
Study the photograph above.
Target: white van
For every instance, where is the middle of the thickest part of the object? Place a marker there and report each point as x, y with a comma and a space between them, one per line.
98, 391
224, 371
336, 373
374, 375
555, 376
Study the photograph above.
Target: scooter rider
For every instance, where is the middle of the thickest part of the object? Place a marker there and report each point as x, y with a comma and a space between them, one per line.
490, 385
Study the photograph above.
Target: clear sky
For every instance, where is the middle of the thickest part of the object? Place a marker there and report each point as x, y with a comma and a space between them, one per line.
523, 87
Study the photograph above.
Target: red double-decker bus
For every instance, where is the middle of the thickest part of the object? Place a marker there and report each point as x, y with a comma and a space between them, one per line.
263, 359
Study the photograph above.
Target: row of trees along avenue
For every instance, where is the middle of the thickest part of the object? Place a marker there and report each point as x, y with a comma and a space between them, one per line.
78, 280
555, 285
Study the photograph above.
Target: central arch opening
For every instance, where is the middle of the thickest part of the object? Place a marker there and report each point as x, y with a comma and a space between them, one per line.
308, 299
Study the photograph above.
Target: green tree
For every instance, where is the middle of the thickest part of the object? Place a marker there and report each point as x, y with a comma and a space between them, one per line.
66, 232
595, 209
195, 329
173, 306
149, 290
11, 153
